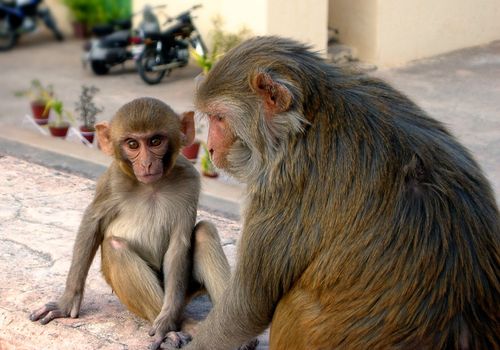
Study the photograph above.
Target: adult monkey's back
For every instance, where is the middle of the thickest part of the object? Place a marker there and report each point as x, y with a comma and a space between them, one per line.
368, 225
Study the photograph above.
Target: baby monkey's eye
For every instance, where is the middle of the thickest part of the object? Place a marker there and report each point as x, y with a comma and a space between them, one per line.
155, 141
132, 144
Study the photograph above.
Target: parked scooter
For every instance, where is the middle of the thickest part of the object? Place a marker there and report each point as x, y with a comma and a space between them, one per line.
169, 49
20, 17
116, 43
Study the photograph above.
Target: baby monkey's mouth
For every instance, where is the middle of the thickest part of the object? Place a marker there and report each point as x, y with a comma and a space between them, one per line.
149, 177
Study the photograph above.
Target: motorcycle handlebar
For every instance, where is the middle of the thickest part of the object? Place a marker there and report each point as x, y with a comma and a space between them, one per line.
180, 15
151, 7
159, 6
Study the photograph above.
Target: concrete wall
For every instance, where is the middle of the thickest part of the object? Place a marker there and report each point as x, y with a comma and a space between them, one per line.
61, 14
392, 32
235, 15
305, 21
384, 32
302, 20
414, 29
356, 23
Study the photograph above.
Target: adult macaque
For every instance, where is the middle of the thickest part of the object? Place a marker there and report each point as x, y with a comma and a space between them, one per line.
368, 226
143, 217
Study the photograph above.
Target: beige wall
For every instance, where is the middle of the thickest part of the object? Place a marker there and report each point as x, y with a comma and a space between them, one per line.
384, 32
302, 20
236, 15
61, 14
414, 29
356, 23
393, 32
305, 21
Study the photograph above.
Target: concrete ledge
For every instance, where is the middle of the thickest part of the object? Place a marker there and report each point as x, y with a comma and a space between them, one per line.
52, 159
89, 162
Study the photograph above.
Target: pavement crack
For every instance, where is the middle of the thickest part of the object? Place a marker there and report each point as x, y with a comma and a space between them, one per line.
104, 338
53, 225
46, 257
227, 242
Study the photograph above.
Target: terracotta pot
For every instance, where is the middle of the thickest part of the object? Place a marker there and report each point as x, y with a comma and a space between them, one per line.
80, 30
59, 130
191, 151
212, 174
38, 109
88, 133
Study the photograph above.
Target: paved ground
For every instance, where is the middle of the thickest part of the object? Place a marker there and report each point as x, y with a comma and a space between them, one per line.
40, 210
60, 64
40, 207
462, 90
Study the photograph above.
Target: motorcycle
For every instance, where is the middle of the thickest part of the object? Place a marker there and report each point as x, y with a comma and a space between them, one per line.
20, 17
115, 43
169, 49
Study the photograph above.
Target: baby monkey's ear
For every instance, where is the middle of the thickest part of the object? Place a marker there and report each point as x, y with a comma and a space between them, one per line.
104, 138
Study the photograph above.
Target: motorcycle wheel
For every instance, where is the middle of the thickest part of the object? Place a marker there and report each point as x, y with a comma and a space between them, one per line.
99, 67
145, 63
8, 37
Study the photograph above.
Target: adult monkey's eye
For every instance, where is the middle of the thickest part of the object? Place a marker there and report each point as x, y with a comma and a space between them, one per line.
217, 117
155, 141
132, 144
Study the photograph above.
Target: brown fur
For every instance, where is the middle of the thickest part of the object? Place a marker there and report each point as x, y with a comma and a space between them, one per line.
368, 226
152, 252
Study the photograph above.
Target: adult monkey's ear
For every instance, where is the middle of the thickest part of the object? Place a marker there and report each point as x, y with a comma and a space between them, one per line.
276, 97
104, 137
187, 128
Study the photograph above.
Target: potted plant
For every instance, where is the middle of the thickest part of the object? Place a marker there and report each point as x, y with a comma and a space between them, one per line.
221, 41
61, 123
191, 151
207, 167
38, 95
83, 15
87, 110
87, 13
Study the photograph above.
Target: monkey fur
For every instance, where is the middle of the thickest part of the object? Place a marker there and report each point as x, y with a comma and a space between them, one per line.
367, 225
143, 217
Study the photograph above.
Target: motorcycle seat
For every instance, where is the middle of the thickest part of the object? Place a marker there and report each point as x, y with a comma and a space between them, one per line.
102, 30
156, 36
169, 34
117, 39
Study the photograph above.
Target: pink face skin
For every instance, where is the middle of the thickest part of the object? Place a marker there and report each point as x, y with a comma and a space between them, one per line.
220, 139
145, 152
